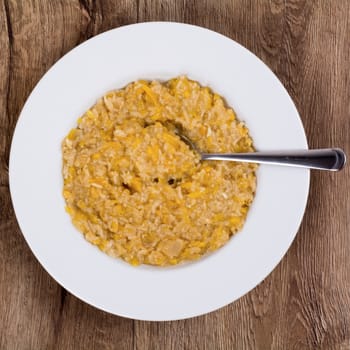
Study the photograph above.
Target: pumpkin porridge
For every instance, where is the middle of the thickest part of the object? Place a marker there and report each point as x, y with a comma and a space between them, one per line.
138, 192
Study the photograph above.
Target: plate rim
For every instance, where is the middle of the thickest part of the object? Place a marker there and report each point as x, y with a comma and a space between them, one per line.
18, 124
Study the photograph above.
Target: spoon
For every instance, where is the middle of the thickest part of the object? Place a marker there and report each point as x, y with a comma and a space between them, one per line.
332, 159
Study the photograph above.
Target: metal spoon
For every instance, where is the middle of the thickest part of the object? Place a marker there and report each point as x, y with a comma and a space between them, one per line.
332, 159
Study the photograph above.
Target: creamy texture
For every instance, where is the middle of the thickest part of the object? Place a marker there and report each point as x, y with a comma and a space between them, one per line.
138, 192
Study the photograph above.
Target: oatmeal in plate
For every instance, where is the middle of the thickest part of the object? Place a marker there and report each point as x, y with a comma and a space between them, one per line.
138, 192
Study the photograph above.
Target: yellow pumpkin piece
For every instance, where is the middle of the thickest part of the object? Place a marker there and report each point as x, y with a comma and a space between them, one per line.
234, 220
156, 116
67, 195
136, 143
187, 185
96, 156
69, 210
112, 144
114, 226
135, 262
72, 134
94, 219
136, 184
218, 217
196, 194
149, 93
90, 114
94, 193
174, 141
117, 236
152, 152
102, 245
119, 209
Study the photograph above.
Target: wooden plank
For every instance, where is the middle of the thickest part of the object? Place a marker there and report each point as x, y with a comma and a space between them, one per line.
5, 58
299, 304
35, 312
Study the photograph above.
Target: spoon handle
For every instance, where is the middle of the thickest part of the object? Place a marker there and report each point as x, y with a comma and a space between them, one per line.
323, 159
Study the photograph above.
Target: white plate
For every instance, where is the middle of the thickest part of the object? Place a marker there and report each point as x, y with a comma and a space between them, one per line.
109, 61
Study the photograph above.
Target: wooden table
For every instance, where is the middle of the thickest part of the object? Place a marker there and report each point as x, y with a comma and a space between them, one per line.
305, 302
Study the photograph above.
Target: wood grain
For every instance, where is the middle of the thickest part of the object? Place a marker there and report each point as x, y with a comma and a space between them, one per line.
305, 302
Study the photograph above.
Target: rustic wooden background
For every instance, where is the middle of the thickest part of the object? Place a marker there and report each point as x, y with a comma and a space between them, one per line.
305, 302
